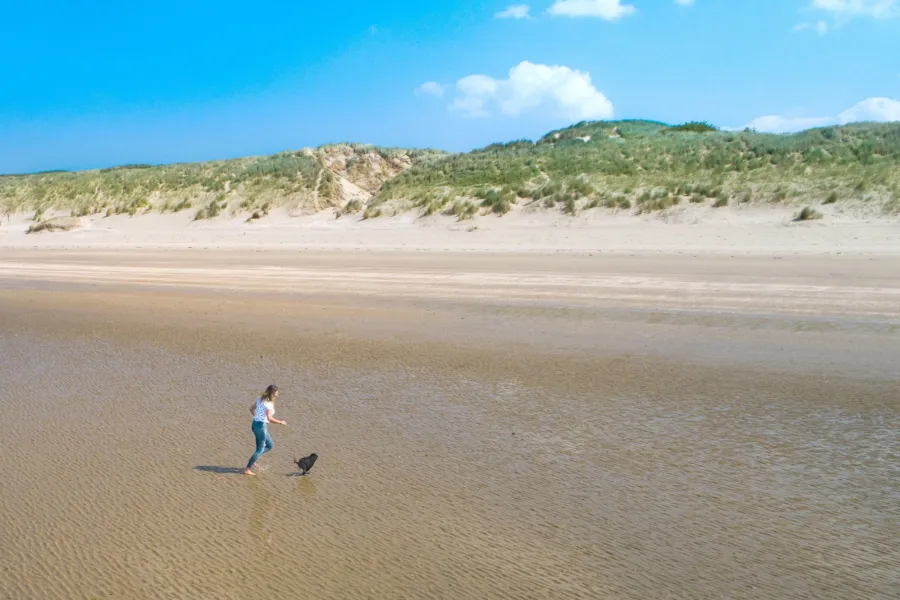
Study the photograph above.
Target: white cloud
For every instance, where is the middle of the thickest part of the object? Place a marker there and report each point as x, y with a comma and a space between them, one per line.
778, 124
685, 2
514, 11
431, 88
847, 9
609, 10
529, 87
820, 27
872, 109
475, 92
843, 11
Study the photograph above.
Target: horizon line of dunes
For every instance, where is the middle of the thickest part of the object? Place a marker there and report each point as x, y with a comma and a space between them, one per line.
635, 165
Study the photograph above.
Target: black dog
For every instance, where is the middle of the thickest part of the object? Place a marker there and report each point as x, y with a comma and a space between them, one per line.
306, 463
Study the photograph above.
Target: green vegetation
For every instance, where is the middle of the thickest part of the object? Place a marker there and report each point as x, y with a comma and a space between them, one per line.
499, 201
210, 211
353, 206
644, 166
808, 214
371, 213
892, 206
462, 210
694, 127
305, 177
654, 167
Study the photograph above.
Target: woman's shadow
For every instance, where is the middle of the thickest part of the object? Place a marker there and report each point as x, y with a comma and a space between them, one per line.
220, 470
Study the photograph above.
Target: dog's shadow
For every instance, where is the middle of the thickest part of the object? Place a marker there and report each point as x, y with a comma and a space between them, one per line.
219, 470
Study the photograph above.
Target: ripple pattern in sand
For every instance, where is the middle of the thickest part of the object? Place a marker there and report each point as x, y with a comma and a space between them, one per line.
118, 482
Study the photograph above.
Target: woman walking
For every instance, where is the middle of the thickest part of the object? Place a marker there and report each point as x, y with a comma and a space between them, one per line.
263, 411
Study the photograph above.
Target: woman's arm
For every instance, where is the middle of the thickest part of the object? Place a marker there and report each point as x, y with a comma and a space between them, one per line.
253, 409
270, 414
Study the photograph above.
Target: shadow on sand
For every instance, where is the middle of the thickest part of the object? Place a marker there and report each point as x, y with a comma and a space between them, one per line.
220, 470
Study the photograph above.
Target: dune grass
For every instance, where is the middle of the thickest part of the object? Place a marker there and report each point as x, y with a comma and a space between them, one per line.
304, 177
808, 214
640, 166
655, 167
55, 224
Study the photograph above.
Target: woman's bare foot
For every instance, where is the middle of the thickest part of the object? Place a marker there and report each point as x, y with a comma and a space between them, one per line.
248, 472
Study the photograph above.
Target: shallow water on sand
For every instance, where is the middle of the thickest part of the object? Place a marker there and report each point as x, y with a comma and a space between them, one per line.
473, 480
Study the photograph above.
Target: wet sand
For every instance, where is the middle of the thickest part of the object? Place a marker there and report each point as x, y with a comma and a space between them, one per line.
489, 426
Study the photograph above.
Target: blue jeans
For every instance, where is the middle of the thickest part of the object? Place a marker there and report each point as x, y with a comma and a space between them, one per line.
263, 441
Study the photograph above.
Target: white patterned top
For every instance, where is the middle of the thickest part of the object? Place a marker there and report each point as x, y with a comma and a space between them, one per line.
262, 407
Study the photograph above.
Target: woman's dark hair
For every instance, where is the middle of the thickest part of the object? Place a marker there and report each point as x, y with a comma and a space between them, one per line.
269, 394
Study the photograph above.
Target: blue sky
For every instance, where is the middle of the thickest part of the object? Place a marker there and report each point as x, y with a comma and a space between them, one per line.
94, 84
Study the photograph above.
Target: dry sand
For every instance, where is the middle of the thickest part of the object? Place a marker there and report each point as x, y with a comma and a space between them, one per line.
687, 229
490, 424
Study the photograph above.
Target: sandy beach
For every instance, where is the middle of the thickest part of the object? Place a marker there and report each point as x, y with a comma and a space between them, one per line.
631, 418
757, 231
